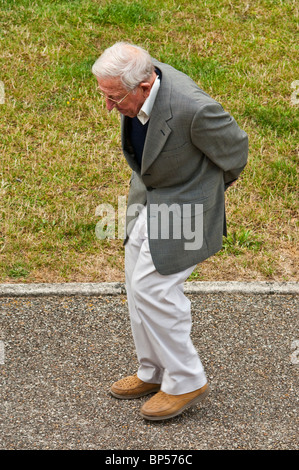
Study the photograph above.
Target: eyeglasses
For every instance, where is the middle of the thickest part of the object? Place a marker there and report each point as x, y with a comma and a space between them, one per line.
117, 102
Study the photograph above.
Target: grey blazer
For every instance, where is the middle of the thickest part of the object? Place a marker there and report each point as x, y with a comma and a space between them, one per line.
193, 150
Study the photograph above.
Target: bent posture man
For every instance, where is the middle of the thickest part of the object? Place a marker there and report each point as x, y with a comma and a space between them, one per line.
184, 151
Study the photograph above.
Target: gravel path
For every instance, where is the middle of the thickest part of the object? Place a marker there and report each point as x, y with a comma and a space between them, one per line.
60, 354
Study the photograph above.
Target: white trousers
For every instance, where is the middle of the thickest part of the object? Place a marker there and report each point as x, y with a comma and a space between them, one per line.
160, 319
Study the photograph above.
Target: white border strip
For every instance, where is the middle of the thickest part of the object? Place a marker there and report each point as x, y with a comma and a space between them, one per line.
109, 288
232, 287
118, 288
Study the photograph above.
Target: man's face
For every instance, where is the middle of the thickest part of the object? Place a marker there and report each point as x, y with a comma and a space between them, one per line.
117, 96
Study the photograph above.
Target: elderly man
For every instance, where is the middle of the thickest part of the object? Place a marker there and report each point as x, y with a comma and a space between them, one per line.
184, 151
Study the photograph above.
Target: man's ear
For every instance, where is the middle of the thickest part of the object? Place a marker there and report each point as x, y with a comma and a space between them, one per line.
146, 88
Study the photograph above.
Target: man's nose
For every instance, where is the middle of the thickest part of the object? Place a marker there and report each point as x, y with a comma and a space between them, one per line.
109, 104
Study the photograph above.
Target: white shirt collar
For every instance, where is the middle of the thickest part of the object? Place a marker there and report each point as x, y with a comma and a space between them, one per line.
145, 111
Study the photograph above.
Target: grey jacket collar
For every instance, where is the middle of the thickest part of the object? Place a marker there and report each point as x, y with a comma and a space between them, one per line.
158, 129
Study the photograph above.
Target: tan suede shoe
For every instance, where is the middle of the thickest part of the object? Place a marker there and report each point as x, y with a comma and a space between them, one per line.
164, 406
132, 387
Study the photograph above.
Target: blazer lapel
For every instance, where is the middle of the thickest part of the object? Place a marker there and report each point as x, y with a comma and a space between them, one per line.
157, 135
158, 129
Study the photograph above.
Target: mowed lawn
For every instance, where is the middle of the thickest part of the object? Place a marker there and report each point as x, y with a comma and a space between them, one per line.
61, 159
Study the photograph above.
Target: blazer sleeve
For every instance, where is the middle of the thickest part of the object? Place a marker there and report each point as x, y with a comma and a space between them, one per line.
216, 133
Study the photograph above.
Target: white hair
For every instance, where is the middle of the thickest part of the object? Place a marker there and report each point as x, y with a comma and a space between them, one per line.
130, 63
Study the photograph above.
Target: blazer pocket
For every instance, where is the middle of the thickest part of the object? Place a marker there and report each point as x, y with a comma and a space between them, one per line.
193, 208
174, 152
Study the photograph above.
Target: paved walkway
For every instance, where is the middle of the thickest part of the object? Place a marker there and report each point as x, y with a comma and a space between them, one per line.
60, 350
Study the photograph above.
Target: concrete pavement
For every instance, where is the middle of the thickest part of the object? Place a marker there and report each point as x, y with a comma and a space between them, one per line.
62, 346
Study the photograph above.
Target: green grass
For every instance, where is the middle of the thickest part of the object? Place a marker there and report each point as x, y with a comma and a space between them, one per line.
125, 14
60, 149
